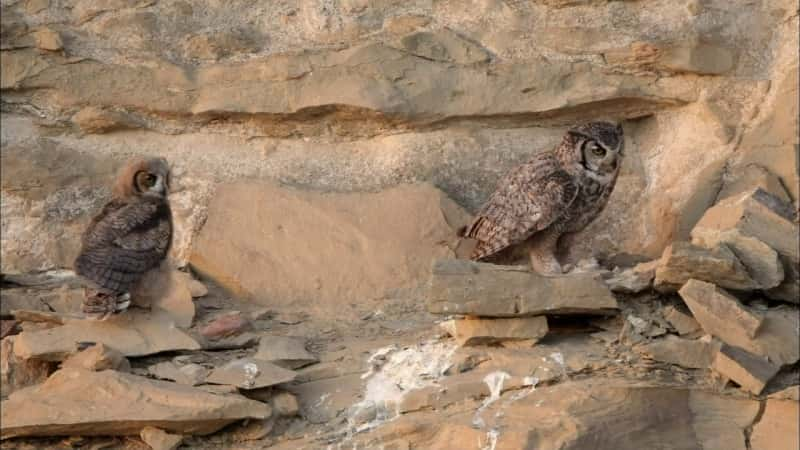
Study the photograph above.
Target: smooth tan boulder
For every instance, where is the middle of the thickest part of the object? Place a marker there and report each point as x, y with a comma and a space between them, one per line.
312, 249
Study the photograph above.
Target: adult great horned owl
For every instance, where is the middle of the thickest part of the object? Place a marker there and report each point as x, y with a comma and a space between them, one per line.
130, 236
556, 192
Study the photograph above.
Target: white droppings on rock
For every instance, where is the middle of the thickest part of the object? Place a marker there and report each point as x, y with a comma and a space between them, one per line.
495, 382
558, 357
527, 381
251, 372
394, 372
491, 439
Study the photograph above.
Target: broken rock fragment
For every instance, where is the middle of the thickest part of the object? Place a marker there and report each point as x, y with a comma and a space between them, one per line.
683, 261
225, 325
480, 331
749, 371
776, 338
166, 291
159, 439
748, 179
82, 402
718, 312
480, 289
250, 373
789, 289
689, 353
188, 374
8, 327
284, 404
134, 333
747, 221
98, 357
633, 280
285, 351
17, 373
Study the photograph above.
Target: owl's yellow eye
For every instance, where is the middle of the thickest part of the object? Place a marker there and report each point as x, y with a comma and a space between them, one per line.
150, 180
598, 151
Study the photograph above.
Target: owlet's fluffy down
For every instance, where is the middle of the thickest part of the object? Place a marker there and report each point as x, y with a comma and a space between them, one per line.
130, 236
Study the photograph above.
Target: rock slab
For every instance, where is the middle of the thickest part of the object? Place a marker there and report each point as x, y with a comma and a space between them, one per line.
188, 374
718, 312
776, 338
759, 227
250, 373
749, 371
98, 357
682, 322
82, 402
480, 289
285, 351
134, 333
689, 353
17, 373
479, 331
372, 247
682, 261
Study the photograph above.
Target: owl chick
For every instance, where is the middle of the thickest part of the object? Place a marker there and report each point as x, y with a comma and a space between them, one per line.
130, 236
556, 192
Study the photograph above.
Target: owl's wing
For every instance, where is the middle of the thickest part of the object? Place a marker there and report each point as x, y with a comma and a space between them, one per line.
526, 202
124, 242
117, 219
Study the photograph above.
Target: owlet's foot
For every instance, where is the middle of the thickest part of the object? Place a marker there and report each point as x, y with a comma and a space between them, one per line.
102, 305
545, 264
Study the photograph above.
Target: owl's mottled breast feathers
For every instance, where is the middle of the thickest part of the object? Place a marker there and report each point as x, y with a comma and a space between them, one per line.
132, 233
555, 192
528, 200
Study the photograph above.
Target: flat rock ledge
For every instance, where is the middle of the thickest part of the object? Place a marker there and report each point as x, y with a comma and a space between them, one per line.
489, 290
83, 402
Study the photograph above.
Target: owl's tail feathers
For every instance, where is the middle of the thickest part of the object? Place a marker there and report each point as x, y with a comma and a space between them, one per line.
100, 304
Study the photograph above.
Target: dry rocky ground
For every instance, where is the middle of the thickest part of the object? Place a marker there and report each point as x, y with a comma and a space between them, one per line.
323, 154
482, 356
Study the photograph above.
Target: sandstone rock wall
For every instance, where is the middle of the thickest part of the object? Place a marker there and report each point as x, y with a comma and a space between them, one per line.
361, 96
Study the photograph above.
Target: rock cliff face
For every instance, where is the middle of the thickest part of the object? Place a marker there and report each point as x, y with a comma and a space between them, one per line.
361, 96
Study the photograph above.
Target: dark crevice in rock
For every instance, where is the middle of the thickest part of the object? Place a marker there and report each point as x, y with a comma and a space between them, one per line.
748, 432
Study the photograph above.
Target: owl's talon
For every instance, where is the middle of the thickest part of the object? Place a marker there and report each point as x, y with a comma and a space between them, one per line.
97, 317
122, 306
